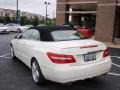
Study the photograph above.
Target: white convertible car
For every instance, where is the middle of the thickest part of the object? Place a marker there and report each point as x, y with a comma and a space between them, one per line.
60, 54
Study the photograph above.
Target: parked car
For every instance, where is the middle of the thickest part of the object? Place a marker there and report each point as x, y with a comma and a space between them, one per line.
67, 25
16, 27
60, 54
41, 25
87, 32
3, 29
29, 26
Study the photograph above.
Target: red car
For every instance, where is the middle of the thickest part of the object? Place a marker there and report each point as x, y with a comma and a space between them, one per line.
87, 32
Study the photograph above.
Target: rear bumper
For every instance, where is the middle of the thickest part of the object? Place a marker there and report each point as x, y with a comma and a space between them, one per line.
75, 73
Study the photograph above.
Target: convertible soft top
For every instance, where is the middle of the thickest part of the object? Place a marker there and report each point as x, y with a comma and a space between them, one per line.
45, 31
52, 28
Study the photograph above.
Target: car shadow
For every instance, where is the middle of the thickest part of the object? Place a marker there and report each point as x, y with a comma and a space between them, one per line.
88, 84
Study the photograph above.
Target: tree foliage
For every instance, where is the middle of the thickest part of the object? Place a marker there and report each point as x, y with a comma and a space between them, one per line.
23, 20
35, 21
26, 21
1, 19
7, 19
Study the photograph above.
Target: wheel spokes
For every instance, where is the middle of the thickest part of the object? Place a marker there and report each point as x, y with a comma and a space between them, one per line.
35, 72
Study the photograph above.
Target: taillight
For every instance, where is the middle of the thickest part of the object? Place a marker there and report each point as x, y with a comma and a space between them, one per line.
60, 58
106, 53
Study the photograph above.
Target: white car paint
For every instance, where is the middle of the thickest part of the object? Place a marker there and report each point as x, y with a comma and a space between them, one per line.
16, 27
25, 50
3, 29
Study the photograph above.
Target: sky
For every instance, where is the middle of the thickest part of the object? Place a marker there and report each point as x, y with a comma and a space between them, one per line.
32, 6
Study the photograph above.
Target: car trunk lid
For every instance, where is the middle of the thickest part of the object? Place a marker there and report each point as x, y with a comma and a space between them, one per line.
81, 49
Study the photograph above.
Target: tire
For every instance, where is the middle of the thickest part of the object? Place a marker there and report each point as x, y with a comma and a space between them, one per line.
37, 75
19, 30
12, 53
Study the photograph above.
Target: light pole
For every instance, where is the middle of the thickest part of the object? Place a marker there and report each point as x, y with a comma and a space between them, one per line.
17, 13
53, 17
46, 3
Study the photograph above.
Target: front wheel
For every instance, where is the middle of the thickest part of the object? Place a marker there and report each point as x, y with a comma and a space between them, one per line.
36, 73
12, 53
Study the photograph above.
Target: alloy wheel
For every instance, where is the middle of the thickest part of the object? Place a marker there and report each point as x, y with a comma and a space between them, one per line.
35, 72
12, 52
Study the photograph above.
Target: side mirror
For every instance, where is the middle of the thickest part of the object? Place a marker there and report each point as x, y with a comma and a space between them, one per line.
15, 37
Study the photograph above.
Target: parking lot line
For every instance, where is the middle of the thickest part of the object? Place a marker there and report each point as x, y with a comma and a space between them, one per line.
4, 55
115, 57
116, 65
114, 74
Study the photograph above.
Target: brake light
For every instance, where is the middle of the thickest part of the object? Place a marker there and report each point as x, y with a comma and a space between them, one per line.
106, 53
60, 58
89, 46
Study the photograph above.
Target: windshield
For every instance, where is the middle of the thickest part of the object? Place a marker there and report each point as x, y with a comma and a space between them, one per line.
65, 35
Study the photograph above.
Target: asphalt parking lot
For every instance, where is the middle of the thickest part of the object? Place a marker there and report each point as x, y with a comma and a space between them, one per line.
14, 75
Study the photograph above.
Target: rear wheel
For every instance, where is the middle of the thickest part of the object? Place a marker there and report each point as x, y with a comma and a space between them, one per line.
36, 73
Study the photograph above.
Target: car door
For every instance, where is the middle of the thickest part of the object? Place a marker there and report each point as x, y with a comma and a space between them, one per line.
11, 27
30, 44
20, 45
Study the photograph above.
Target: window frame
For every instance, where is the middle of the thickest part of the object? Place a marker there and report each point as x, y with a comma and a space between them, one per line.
20, 37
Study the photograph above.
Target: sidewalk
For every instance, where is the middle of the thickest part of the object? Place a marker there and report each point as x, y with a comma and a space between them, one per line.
111, 45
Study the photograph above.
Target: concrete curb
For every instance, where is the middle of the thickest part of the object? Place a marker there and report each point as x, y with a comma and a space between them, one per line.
111, 45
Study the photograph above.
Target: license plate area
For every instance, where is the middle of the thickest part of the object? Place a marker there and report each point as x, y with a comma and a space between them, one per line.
91, 56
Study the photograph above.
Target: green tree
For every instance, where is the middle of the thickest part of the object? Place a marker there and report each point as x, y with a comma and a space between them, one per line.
13, 19
28, 22
7, 19
50, 22
1, 19
35, 21
43, 21
23, 20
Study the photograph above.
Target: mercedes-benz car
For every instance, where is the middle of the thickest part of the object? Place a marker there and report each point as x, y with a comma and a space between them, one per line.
60, 54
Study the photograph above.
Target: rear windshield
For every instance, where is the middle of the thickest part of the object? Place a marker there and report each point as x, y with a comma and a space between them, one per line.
66, 35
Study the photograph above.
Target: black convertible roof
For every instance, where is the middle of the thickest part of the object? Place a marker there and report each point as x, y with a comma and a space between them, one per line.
52, 28
45, 31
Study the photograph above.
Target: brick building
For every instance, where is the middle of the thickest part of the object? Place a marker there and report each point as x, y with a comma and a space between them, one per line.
103, 15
